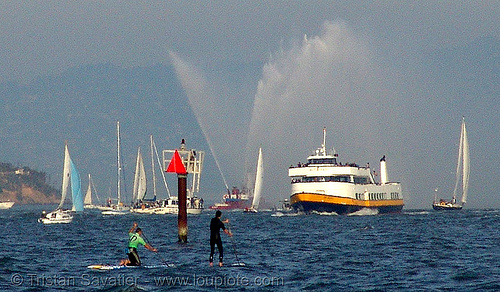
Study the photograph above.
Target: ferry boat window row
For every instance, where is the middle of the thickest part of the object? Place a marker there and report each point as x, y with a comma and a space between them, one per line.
376, 196
339, 178
322, 161
371, 196
395, 195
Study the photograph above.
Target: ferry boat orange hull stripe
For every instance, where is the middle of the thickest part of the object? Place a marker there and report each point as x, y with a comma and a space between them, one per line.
326, 199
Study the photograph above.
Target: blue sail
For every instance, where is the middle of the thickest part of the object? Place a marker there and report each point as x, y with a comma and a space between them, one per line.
76, 189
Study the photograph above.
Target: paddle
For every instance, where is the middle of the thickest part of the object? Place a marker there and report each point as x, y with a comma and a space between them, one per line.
238, 264
161, 258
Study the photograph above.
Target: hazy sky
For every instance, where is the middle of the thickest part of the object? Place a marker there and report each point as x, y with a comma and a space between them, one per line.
42, 37
385, 77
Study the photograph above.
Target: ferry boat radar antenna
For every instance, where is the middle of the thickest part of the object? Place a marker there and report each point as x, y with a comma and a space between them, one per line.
323, 146
322, 150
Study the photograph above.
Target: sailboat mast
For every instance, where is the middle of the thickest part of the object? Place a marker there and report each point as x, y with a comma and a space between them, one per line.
153, 166
118, 161
161, 169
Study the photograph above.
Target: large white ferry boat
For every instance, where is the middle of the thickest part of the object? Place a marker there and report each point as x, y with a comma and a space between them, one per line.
325, 185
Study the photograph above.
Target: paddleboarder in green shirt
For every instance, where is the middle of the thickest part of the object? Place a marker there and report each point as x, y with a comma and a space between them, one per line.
135, 239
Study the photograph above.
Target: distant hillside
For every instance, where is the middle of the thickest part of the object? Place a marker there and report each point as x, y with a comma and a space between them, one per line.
25, 186
82, 105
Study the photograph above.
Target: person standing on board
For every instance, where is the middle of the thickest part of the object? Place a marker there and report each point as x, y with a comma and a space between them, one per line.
215, 225
135, 238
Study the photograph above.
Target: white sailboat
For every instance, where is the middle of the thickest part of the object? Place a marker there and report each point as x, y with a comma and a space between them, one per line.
87, 202
119, 208
140, 187
70, 174
462, 175
259, 176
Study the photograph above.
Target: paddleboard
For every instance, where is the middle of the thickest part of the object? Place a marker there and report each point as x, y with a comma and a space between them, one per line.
117, 267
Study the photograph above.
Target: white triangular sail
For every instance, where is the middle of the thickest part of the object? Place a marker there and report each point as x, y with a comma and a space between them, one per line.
463, 166
88, 194
259, 176
66, 176
139, 178
466, 165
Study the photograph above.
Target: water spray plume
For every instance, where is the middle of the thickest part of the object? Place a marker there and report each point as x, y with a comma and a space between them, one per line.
325, 80
196, 87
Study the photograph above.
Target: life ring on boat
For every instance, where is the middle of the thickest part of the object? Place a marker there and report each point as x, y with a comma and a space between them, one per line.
226, 196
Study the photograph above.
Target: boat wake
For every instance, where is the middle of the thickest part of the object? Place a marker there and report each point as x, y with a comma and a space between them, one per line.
417, 213
325, 213
290, 214
364, 212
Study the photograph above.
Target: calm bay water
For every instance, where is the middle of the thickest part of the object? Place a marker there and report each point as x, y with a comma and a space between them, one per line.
412, 251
